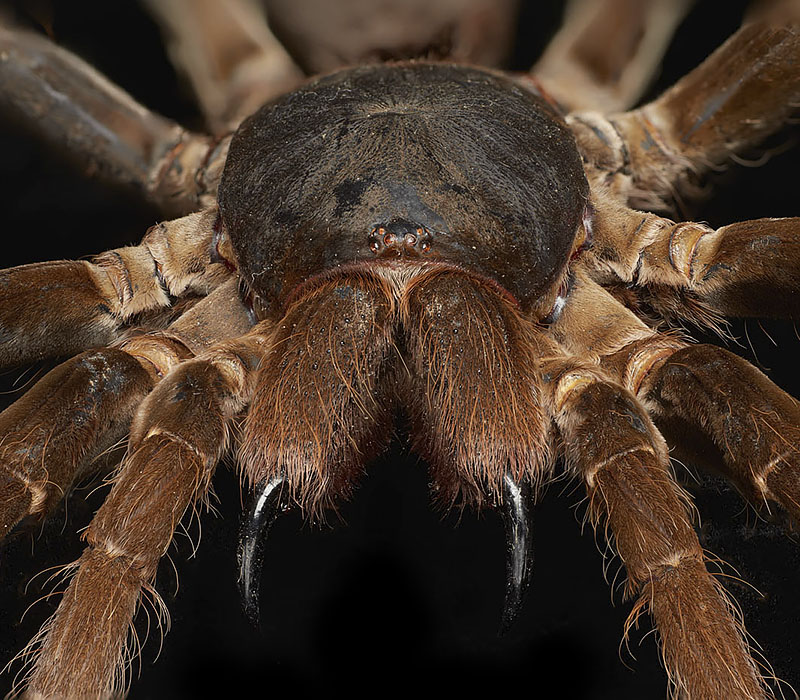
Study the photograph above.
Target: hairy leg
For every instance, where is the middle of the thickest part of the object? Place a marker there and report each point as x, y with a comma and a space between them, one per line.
745, 91
611, 443
606, 52
601, 410
62, 307
716, 409
731, 418
78, 111
52, 434
690, 272
177, 438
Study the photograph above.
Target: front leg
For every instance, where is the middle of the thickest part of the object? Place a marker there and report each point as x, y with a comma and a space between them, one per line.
622, 459
180, 433
745, 91
55, 433
80, 113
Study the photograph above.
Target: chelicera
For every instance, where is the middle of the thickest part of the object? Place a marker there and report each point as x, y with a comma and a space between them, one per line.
425, 240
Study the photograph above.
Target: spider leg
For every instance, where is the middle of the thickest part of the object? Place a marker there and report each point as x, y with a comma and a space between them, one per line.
611, 442
231, 57
746, 90
688, 271
739, 422
716, 409
53, 433
78, 111
177, 438
606, 52
62, 307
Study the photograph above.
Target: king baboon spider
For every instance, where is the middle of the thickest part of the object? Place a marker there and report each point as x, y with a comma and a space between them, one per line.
549, 324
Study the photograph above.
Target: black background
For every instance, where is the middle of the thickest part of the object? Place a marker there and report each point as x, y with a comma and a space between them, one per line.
394, 597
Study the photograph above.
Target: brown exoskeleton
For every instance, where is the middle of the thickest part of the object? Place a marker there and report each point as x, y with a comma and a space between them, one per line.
425, 427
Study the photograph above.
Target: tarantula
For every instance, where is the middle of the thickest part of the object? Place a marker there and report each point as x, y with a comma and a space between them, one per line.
453, 283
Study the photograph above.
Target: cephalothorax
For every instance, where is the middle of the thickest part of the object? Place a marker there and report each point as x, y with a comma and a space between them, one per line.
406, 243
373, 150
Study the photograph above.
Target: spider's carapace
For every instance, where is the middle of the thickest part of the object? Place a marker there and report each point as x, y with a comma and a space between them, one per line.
437, 162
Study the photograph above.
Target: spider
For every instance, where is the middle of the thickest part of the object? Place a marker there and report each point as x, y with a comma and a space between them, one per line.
584, 253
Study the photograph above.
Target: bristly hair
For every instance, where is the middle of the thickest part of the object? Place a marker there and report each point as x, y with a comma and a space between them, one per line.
473, 390
320, 410
467, 375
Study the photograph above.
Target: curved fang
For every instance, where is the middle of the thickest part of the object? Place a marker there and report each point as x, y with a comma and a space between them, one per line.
262, 510
519, 547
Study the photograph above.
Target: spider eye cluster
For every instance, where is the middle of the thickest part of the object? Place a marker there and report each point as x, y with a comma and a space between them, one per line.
400, 239
419, 162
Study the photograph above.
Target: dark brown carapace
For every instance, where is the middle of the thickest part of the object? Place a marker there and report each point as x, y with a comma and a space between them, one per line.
409, 163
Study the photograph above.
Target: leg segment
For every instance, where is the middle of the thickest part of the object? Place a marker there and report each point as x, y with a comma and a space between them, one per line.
321, 408
232, 59
53, 433
738, 421
606, 52
60, 308
610, 441
688, 271
47, 441
176, 440
473, 389
593, 323
77, 110
745, 91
